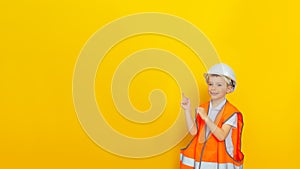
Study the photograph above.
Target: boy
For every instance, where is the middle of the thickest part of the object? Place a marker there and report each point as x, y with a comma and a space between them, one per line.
217, 129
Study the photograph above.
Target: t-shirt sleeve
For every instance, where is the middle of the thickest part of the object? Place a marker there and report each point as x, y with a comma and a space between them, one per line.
232, 121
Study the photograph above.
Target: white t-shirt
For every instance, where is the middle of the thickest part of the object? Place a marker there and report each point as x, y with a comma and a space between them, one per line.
212, 114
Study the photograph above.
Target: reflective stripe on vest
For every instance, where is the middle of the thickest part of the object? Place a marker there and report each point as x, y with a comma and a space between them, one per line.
209, 165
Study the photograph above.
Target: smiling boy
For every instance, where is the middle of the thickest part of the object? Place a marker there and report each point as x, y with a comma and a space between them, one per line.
217, 129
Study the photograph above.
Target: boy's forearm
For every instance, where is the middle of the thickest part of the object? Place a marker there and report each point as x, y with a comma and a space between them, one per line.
190, 122
215, 130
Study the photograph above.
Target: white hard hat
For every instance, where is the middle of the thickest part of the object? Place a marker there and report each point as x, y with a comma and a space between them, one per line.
223, 70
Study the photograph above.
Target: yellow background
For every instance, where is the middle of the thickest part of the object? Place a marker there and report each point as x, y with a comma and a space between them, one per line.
41, 40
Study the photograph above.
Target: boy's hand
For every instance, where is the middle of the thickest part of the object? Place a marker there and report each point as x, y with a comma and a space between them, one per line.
201, 112
185, 102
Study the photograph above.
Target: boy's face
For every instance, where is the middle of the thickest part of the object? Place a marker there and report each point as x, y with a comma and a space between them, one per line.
218, 88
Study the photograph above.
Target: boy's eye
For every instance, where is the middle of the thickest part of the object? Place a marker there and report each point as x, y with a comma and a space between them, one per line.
219, 84
209, 84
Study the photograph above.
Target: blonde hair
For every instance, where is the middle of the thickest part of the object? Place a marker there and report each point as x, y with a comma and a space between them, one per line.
228, 81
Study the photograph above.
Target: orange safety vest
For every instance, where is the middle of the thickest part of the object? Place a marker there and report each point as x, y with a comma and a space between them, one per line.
210, 153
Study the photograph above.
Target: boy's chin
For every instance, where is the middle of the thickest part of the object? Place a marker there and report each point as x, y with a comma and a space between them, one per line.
213, 98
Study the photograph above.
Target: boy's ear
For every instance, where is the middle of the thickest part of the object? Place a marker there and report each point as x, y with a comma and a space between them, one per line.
229, 89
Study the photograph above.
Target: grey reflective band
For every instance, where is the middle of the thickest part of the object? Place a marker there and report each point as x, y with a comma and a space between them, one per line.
192, 163
189, 161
